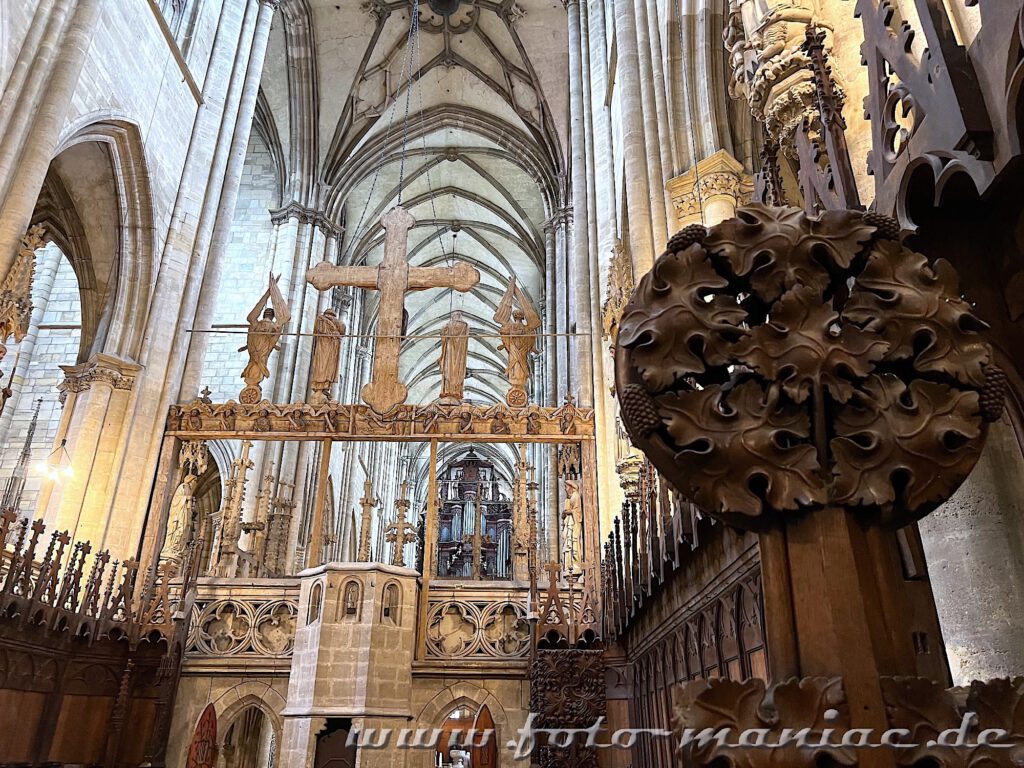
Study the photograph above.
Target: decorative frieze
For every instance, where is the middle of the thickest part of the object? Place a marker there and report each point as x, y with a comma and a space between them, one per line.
472, 629
251, 626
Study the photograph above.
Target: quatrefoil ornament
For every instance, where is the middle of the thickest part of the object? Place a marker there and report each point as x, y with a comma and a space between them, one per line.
779, 362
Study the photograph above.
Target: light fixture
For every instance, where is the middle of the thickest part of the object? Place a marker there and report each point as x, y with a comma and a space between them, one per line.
444, 7
56, 466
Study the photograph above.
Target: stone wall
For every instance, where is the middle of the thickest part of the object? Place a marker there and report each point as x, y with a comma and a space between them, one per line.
53, 340
249, 259
975, 549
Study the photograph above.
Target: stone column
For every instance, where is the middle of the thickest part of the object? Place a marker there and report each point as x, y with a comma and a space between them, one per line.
183, 263
652, 138
579, 284
29, 71
213, 274
27, 169
96, 399
631, 108
659, 137
974, 544
710, 192
604, 235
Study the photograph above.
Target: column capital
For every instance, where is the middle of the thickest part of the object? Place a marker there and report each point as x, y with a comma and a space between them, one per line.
305, 215
272, 4
719, 176
101, 368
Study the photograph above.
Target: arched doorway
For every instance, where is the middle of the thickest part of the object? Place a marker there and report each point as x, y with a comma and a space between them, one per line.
485, 751
249, 741
202, 752
332, 747
468, 731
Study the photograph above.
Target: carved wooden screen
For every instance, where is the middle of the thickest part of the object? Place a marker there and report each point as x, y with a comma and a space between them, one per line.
202, 753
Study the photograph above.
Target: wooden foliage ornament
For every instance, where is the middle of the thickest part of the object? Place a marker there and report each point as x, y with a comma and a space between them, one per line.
781, 362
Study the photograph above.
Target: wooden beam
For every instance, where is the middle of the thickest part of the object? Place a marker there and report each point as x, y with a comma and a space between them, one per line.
316, 542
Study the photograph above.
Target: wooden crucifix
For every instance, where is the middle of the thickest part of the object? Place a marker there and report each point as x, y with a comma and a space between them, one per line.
393, 278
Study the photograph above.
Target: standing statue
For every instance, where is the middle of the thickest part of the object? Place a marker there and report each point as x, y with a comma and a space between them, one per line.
518, 328
327, 333
454, 351
5, 393
572, 528
179, 519
264, 333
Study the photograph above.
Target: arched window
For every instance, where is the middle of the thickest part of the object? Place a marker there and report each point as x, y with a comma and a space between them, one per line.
391, 606
352, 600
316, 599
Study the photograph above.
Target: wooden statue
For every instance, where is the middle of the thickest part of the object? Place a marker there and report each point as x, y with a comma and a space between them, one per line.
454, 352
393, 278
264, 333
572, 528
323, 373
518, 328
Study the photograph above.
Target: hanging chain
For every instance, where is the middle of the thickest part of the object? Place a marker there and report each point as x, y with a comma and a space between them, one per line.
407, 79
414, 29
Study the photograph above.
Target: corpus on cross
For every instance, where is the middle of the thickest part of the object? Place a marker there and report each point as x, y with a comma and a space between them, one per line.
393, 278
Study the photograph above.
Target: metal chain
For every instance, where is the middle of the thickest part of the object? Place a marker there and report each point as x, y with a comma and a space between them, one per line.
407, 78
413, 44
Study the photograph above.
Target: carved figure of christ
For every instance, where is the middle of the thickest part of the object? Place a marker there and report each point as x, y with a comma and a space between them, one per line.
393, 278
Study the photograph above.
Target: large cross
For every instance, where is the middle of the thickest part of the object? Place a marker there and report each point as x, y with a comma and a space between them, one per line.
393, 278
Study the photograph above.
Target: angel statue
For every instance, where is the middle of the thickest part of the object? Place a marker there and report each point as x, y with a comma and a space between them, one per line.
264, 333
518, 329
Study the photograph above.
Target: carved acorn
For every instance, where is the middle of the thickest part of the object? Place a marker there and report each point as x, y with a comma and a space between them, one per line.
782, 362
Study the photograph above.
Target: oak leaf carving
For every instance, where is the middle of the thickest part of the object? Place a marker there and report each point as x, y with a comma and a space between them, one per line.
803, 342
780, 248
751, 715
743, 449
918, 309
678, 322
908, 446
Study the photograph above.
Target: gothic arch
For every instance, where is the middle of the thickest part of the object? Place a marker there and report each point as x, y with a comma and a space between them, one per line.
464, 694
124, 275
234, 701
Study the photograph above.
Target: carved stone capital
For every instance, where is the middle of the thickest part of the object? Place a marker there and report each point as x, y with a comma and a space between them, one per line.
711, 191
99, 369
305, 215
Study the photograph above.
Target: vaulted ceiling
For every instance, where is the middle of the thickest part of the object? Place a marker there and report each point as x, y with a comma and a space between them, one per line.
475, 149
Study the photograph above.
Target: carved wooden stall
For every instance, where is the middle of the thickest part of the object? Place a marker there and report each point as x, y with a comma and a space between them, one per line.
90, 651
947, 150
793, 395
